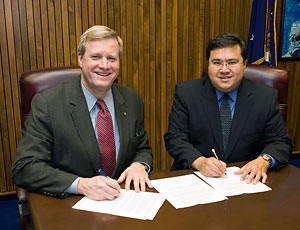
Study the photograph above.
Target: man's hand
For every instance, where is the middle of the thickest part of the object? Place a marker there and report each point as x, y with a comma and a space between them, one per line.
137, 174
210, 167
99, 188
256, 169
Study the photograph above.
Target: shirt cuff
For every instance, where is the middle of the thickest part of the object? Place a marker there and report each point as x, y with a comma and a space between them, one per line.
72, 189
148, 167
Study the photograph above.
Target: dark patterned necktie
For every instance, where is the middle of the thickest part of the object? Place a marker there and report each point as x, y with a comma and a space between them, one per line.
106, 138
225, 115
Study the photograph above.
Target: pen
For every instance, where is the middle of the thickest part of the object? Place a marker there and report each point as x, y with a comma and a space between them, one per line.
214, 152
216, 156
102, 172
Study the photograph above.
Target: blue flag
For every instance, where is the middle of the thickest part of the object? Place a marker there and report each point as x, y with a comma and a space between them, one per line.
262, 45
273, 33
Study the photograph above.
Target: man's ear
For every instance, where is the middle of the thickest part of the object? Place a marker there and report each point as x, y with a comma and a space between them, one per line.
80, 60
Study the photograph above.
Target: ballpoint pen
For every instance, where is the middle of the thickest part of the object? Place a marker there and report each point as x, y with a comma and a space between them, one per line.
102, 172
216, 156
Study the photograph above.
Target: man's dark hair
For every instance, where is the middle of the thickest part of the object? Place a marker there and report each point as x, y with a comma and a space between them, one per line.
227, 40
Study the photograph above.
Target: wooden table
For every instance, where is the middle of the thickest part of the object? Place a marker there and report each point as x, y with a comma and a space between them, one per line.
276, 209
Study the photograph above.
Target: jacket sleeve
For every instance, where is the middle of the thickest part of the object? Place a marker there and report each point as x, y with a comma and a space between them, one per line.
277, 142
32, 168
177, 138
143, 150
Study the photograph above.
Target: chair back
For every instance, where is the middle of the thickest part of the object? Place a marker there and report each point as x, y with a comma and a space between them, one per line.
275, 77
34, 81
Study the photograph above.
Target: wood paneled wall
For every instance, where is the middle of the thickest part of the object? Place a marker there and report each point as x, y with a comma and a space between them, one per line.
164, 43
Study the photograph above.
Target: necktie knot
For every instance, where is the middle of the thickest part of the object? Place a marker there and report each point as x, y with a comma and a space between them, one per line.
225, 97
101, 104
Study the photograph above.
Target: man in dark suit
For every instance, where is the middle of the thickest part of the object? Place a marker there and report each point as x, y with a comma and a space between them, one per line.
62, 150
196, 126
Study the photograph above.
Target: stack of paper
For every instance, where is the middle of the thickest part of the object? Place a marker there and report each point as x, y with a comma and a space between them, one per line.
186, 191
180, 191
231, 184
143, 205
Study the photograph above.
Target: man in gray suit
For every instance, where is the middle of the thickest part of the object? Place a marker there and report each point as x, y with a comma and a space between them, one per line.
60, 152
253, 129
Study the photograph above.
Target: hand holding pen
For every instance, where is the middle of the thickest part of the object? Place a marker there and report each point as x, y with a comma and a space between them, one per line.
210, 166
99, 187
216, 156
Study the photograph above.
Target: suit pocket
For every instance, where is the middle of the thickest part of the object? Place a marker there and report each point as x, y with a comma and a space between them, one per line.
132, 147
134, 143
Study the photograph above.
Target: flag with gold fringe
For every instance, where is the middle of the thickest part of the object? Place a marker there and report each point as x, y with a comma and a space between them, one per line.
262, 44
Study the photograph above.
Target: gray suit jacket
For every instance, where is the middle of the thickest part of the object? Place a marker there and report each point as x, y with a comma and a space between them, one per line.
59, 142
195, 127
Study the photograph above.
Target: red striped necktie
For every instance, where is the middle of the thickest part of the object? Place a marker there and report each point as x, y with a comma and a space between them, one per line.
106, 138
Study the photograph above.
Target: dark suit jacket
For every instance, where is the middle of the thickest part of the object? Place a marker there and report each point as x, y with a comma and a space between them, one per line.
59, 143
195, 127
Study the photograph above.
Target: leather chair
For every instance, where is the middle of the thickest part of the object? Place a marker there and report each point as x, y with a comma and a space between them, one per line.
32, 82
275, 77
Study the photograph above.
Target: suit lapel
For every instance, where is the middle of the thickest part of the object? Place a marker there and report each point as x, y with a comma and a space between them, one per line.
121, 112
243, 107
209, 101
81, 118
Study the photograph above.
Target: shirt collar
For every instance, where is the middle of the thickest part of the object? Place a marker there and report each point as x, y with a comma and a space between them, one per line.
231, 95
91, 99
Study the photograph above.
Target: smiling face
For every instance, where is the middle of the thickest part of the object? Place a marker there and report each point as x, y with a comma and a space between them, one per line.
226, 77
100, 65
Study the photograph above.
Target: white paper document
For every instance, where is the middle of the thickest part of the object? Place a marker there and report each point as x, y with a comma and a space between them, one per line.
186, 191
143, 205
231, 185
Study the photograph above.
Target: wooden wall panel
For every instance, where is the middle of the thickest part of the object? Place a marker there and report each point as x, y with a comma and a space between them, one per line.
9, 96
164, 43
293, 118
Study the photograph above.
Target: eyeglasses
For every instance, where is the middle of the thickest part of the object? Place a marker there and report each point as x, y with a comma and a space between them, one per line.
231, 64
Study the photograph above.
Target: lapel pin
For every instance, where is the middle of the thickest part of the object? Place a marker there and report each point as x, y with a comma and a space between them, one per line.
124, 114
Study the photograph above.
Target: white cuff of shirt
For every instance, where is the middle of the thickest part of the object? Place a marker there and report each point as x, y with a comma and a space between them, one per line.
72, 189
